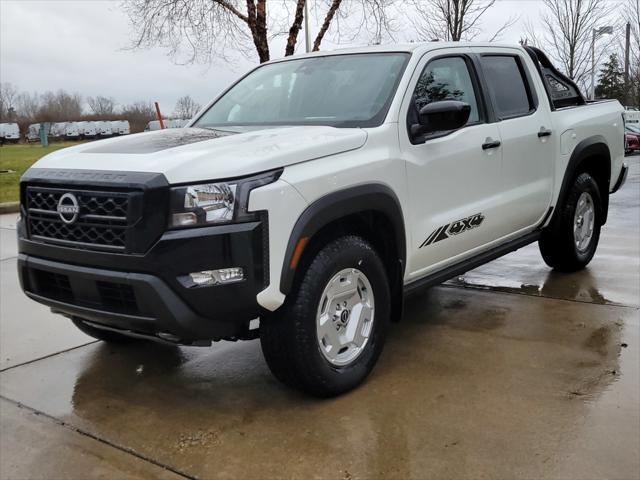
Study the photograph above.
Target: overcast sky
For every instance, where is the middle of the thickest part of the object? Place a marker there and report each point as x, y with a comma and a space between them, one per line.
80, 45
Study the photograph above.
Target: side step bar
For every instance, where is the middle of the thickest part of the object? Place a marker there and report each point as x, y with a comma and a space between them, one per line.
469, 264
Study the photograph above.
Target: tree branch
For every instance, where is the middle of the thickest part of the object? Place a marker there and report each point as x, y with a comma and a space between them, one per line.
295, 29
335, 4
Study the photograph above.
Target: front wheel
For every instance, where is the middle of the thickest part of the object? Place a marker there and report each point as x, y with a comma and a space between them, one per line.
570, 242
329, 334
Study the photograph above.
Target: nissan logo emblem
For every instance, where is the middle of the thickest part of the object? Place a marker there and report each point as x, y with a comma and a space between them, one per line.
68, 208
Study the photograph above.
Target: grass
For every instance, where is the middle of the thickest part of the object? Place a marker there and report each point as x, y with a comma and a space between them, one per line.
19, 158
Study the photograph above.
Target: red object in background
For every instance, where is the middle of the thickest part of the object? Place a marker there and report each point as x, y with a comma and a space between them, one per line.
159, 115
632, 142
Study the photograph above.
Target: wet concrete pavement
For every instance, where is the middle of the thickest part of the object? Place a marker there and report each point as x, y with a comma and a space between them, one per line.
507, 372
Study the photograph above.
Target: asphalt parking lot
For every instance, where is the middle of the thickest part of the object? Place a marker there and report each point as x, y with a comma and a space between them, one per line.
511, 371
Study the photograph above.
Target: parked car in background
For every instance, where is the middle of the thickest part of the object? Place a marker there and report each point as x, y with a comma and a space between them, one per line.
72, 130
87, 129
154, 125
120, 127
631, 116
10, 132
33, 132
104, 128
632, 138
58, 130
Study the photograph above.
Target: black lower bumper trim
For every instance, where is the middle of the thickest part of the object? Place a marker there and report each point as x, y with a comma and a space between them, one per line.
158, 310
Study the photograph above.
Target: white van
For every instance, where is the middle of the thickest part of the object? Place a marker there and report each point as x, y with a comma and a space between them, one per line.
152, 126
33, 132
72, 130
89, 130
120, 127
10, 132
631, 116
104, 129
58, 129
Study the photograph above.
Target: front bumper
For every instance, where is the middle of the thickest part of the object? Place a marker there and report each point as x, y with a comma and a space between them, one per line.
142, 294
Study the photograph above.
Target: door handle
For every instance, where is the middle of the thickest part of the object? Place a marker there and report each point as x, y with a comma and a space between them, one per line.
544, 132
489, 144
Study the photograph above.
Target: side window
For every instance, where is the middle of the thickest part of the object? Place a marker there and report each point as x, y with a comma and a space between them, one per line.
507, 86
446, 79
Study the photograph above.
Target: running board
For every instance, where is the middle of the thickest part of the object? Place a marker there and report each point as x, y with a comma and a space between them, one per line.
469, 264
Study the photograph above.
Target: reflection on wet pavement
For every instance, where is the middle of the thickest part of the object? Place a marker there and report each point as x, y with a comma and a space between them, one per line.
471, 384
613, 277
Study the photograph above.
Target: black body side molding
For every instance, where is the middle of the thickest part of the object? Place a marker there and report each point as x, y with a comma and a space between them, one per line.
469, 264
370, 197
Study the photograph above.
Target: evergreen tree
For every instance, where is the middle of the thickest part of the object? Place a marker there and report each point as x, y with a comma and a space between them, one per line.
611, 80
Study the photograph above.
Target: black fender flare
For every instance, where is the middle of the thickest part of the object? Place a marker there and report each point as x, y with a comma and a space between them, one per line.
594, 146
341, 203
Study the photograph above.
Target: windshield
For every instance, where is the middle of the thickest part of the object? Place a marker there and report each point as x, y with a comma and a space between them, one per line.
338, 90
633, 128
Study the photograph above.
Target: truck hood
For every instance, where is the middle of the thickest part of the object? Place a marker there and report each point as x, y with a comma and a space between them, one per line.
194, 154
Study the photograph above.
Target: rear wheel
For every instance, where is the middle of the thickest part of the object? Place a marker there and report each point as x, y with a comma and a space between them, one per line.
329, 334
570, 242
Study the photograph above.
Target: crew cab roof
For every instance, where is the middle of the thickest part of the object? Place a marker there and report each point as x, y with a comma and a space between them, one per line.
418, 47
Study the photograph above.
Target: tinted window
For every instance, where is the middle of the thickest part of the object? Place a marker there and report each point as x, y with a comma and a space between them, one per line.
507, 86
446, 79
339, 90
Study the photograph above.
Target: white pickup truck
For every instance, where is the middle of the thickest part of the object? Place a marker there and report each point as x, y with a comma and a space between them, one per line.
304, 203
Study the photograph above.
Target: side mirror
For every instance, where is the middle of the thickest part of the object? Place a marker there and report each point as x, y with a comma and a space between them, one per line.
441, 116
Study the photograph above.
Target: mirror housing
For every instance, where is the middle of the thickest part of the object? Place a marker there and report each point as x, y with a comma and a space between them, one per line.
442, 116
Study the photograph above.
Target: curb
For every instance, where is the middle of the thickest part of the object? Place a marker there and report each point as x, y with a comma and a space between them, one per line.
10, 207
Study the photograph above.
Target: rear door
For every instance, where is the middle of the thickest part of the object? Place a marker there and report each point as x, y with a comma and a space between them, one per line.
524, 121
453, 177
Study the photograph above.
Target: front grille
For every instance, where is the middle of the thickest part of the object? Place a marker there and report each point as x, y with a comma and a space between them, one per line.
102, 223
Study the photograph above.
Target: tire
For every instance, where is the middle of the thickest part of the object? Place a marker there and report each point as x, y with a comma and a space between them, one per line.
290, 337
561, 248
104, 335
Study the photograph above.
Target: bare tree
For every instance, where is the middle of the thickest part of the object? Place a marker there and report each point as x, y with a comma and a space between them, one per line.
8, 98
186, 108
453, 20
102, 106
208, 28
567, 34
60, 106
28, 106
138, 114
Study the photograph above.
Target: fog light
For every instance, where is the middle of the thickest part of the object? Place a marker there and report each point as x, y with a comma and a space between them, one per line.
217, 277
184, 219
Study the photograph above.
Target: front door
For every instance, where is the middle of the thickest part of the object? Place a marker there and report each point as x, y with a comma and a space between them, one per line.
453, 177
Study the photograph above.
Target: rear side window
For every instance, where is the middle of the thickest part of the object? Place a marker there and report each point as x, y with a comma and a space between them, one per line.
507, 85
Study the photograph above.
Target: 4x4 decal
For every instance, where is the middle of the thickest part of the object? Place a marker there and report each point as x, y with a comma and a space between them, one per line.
455, 228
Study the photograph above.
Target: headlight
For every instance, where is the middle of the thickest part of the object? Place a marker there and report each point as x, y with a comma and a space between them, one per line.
215, 203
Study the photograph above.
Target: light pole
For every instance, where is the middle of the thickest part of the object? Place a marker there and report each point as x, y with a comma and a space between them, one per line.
307, 33
597, 32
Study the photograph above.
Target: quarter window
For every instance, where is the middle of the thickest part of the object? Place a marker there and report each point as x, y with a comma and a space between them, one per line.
446, 79
507, 86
